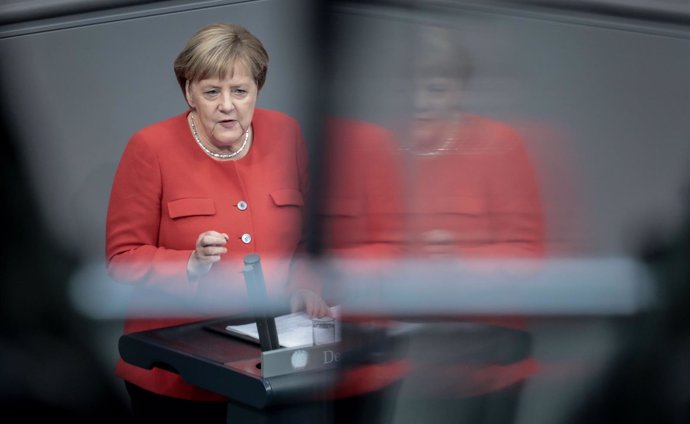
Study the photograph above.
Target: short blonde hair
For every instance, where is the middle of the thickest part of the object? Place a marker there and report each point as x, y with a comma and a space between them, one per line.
438, 52
215, 49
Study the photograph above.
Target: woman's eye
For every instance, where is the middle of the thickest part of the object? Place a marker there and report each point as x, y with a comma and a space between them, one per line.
240, 91
211, 92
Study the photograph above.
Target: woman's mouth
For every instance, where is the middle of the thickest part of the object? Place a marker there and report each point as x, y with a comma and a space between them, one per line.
228, 123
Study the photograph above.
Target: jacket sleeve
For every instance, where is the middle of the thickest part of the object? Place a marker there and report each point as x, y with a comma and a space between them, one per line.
302, 269
362, 210
133, 222
516, 209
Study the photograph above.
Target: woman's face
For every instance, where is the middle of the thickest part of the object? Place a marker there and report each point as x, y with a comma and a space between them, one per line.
224, 108
436, 98
436, 103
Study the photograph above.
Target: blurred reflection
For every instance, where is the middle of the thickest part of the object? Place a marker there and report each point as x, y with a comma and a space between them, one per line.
471, 188
452, 186
361, 214
471, 194
362, 206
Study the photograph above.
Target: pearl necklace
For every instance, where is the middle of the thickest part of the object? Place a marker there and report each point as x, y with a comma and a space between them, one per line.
443, 148
436, 150
214, 154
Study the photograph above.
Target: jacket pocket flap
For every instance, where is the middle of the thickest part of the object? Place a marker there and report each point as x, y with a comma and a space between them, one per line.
287, 197
191, 207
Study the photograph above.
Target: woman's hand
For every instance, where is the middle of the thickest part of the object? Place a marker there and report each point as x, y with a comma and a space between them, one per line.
210, 246
310, 302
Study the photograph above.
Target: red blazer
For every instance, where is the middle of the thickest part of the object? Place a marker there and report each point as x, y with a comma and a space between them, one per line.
480, 193
479, 198
361, 207
167, 191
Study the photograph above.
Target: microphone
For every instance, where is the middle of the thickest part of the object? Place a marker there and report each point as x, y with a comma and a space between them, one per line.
258, 298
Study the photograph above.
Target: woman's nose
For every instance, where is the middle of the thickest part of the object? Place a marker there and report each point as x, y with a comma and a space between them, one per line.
226, 104
421, 101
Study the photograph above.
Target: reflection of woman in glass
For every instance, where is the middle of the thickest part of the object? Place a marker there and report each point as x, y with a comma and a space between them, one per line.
473, 190
471, 194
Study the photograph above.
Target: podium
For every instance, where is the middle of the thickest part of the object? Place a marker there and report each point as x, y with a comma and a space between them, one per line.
262, 381
297, 385
206, 357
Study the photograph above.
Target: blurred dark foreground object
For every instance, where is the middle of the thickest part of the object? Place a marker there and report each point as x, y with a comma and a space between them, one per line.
48, 371
649, 379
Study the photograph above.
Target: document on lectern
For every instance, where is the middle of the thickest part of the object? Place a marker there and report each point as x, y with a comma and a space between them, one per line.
293, 329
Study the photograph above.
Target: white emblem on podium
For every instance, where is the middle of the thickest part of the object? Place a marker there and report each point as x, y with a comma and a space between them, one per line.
299, 359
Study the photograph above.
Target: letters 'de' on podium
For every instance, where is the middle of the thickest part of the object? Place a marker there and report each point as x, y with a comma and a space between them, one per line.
262, 379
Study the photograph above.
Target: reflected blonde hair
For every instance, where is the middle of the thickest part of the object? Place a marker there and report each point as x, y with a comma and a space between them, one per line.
215, 49
439, 52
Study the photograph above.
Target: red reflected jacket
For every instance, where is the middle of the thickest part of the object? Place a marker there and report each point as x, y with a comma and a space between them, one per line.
476, 198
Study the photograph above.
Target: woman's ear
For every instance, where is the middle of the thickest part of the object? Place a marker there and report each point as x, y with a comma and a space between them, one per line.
188, 94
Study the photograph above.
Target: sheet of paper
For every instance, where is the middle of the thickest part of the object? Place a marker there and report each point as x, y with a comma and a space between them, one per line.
293, 329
